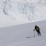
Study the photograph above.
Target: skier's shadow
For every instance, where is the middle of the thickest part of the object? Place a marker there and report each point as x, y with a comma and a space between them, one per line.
27, 37
30, 37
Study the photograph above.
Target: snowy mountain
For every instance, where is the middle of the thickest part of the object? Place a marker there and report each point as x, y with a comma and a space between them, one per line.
17, 35
14, 12
16, 27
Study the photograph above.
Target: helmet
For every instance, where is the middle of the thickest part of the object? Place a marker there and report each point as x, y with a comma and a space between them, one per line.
36, 26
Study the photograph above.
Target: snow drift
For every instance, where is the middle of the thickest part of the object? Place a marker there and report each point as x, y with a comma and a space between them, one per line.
14, 12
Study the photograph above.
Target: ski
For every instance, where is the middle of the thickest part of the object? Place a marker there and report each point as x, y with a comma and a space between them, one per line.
33, 36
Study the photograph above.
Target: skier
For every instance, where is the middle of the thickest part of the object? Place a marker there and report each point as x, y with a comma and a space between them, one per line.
37, 29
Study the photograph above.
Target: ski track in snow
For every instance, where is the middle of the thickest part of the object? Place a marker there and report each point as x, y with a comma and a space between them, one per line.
17, 35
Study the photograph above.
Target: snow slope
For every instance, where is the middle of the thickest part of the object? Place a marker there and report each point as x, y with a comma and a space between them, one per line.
15, 12
8, 17
17, 35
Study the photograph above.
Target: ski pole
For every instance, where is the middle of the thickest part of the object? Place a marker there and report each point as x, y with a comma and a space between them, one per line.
34, 33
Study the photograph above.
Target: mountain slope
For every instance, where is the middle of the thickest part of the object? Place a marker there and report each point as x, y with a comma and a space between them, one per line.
17, 35
15, 12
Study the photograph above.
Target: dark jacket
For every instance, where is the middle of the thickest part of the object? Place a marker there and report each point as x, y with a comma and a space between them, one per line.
37, 28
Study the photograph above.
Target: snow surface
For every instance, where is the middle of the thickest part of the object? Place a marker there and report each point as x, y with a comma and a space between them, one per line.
16, 27
17, 35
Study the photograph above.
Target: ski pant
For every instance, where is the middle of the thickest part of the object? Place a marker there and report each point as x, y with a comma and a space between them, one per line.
39, 33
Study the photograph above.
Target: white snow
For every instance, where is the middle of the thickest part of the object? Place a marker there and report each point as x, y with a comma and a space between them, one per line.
15, 12
17, 21
17, 35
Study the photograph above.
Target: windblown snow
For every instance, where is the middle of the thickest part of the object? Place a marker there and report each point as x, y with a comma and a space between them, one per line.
15, 12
